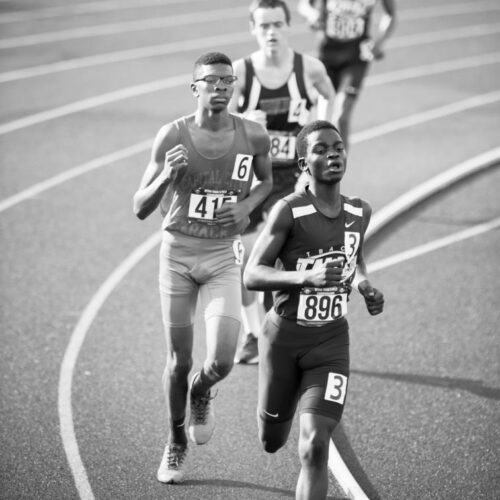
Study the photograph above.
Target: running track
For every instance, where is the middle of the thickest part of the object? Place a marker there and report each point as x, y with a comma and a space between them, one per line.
84, 88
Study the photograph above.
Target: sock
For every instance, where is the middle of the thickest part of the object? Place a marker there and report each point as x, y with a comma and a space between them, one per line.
178, 432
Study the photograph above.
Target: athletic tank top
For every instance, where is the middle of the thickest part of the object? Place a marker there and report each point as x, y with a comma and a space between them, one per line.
346, 20
287, 108
190, 201
315, 239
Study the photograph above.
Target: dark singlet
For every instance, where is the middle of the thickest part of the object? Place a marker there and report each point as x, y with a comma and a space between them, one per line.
315, 239
346, 25
287, 109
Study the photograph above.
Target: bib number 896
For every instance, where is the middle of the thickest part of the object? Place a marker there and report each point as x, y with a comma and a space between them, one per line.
322, 306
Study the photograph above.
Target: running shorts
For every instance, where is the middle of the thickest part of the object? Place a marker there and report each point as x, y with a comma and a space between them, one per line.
302, 365
210, 267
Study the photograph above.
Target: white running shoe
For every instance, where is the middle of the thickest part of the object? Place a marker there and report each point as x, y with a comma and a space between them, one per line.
202, 418
171, 470
248, 353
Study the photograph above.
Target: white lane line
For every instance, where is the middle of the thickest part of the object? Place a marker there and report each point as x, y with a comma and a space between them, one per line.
107, 98
93, 102
343, 475
142, 146
81, 8
413, 197
107, 6
451, 239
169, 48
163, 84
67, 429
372, 133
125, 55
124, 27
74, 172
425, 116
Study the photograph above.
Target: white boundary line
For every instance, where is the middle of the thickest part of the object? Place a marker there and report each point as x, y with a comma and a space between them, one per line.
81, 8
67, 429
153, 86
124, 27
415, 72
465, 234
67, 175
413, 197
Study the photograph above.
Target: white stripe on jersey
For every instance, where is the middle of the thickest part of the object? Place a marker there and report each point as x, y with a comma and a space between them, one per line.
302, 211
253, 98
293, 88
353, 210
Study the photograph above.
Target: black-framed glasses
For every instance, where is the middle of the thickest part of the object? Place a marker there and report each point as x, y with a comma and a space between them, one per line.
215, 80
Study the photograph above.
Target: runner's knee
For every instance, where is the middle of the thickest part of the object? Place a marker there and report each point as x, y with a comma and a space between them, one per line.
313, 450
273, 435
217, 370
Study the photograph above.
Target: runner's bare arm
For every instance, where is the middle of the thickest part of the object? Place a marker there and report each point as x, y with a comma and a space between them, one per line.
374, 299
316, 74
237, 213
386, 27
167, 157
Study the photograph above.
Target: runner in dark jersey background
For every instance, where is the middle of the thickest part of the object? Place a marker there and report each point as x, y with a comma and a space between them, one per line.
317, 235
346, 46
278, 88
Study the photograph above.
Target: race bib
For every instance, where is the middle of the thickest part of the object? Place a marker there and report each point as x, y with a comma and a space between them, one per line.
204, 202
336, 388
321, 306
298, 112
345, 27
282, 146
242, 167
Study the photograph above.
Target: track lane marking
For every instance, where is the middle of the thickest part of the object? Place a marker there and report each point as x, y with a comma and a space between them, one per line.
374, 132
67, 429
164, 49
431, 246
81, 8
129, 92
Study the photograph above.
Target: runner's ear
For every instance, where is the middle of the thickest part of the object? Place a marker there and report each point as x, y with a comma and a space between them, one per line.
302, 164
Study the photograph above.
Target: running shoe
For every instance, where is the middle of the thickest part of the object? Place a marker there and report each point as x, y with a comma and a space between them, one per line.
248, 353
171, 470
202, 418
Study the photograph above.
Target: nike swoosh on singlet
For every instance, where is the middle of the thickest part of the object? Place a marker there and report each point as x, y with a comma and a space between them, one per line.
273, 415
349, 224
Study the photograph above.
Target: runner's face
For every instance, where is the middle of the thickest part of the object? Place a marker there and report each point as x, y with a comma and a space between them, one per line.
326, 156
269, 27
215, 96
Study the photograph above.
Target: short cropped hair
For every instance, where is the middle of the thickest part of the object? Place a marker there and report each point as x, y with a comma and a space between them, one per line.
211, 58
301, 144
270, 4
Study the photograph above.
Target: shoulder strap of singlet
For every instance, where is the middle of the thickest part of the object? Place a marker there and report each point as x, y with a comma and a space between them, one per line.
249, 74
298, 69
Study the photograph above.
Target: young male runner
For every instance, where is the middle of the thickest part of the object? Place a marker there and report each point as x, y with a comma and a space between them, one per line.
317, 235
346, 46
277, 87
201, 175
